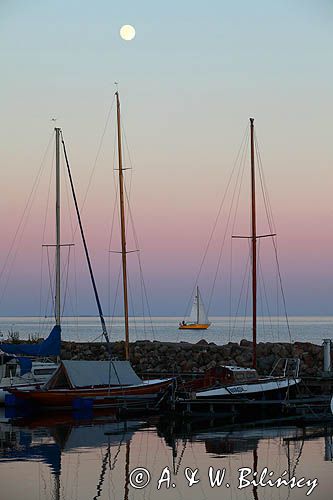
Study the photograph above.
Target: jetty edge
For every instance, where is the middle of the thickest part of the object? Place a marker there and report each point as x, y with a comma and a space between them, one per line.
183, 357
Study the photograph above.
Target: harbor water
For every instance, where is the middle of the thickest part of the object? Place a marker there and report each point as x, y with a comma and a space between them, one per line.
66, 458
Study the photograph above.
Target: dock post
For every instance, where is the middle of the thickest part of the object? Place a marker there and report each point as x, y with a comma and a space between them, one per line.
327, 355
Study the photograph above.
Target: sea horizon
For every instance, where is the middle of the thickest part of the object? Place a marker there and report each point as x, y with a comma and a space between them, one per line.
223, 329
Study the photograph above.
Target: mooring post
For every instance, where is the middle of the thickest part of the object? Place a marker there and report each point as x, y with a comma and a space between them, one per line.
327, 355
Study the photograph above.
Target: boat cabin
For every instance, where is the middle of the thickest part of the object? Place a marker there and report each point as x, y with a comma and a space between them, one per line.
39, 370
72, 374
222, 375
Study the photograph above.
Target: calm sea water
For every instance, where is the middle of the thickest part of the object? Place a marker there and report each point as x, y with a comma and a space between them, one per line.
222, 329
70, 456
62, 458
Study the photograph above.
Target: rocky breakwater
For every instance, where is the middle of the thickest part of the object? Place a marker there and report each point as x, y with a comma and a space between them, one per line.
183, 357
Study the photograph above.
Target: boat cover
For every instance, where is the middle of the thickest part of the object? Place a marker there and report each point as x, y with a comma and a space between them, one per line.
49, 347
74, 373
25, 365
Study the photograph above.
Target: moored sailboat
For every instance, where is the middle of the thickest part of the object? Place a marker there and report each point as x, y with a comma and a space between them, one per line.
198, 319
20, 367
103, 383
25, 369
224, 382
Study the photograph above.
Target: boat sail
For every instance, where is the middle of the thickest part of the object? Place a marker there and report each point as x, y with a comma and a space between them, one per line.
198, 319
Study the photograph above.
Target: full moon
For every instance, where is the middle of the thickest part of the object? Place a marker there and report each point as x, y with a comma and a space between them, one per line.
127, 32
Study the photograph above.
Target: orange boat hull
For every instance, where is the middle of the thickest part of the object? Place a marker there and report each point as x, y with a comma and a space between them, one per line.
194, 327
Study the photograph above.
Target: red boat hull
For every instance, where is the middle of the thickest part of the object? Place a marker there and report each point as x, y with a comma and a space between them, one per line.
101, 396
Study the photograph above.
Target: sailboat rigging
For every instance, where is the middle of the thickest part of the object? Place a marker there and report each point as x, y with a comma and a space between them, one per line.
34, 373
253, 239
99, 307
234, 380
103, 383
122, 226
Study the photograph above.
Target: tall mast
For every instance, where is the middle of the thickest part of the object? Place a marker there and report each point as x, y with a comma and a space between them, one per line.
57, 284
197, 304
123, 228
254, 248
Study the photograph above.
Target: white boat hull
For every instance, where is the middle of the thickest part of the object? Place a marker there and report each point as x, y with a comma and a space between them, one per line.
40, 373
250, 390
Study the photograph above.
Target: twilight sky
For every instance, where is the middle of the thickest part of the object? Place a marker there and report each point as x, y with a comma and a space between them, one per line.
189, 81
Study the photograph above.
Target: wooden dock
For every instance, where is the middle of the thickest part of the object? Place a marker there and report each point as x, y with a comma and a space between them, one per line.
315, 407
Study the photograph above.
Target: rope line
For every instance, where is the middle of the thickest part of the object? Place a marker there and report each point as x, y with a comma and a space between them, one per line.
215, 222
238, 186
22, 223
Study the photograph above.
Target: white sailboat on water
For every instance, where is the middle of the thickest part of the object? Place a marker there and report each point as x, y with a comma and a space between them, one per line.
198, 319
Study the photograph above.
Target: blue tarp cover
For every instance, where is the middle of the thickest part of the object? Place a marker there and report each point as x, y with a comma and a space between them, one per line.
49, 347
25, 365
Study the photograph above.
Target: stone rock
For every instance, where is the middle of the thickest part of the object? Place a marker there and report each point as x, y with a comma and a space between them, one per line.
202, 342
245, 343
160, 356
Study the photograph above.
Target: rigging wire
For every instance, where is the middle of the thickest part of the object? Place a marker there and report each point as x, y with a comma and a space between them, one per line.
66, 281
76, 307
73, 308
41, 278
277, 303
132, 307
96, 158
104, 330
136, 242
51, 280
144, 293
230, 286
264, 189
130, 221
242, 164
261, 276
43, 238
22, 223
112, 318
215, 222
238, 186
270, 220
48, 309
241, 291
261, 316
246, 298
114, 212
131, 168
69, 212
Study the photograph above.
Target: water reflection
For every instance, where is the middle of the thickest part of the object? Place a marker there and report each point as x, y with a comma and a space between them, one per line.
88, 458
